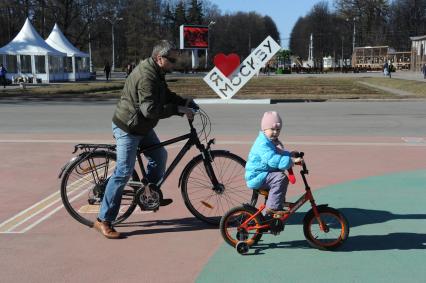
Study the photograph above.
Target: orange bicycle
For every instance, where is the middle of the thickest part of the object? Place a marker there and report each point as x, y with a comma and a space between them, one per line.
324, 227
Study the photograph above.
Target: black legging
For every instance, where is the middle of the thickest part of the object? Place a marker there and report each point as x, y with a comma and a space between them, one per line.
3, 80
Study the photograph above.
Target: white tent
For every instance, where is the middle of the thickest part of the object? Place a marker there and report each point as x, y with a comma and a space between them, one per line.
29, 55
77, 63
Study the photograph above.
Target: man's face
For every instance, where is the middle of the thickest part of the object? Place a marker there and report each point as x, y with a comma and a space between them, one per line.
167, 62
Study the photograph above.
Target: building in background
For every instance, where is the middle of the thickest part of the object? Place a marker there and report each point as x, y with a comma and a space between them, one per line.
371, 57
30, 57
76, 63
400, 60
418, 52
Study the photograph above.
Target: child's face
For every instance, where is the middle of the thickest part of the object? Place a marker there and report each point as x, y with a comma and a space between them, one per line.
272, 133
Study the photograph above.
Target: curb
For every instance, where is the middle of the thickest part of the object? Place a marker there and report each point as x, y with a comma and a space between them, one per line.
231, 101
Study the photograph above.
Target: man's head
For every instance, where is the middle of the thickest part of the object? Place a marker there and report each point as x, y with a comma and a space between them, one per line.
165, 55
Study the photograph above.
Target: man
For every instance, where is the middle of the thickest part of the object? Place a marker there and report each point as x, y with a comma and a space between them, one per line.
3, 72
107, 70
145, 99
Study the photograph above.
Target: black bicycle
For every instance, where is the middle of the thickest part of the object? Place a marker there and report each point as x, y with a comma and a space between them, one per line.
211, 183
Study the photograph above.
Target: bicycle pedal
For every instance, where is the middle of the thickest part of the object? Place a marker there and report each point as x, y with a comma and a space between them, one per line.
166, 201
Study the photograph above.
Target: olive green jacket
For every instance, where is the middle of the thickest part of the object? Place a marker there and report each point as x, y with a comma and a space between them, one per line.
145, 99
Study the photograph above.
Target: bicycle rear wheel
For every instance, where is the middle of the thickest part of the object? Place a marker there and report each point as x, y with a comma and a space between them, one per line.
83, 186
230, 226
209, 203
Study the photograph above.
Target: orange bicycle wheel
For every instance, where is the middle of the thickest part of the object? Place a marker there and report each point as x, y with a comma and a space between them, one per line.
230, 225
337, 228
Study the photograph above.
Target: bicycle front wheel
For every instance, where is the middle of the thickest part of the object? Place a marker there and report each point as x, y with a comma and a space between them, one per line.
83, 185
208, 202
336, 232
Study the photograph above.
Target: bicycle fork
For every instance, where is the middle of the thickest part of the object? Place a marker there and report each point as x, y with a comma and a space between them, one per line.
323, 226
208, 161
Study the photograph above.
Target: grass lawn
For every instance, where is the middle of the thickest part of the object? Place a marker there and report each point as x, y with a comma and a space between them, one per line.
274, 87
417, 88
311, 88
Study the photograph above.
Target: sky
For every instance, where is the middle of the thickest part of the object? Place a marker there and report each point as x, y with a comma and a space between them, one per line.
285, 13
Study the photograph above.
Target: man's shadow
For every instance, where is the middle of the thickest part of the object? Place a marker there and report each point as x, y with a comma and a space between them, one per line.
165, 226
358, 217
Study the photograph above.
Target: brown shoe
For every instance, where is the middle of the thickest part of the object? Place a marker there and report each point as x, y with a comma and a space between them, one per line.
106, 229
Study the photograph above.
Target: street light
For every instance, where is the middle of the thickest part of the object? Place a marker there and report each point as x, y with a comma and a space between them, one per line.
112, 20
354, 33
212, 23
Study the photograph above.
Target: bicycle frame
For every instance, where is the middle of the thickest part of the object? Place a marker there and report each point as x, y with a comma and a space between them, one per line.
307, 196
193, 139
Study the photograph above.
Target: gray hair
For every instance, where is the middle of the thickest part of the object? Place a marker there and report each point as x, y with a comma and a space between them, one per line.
163, 48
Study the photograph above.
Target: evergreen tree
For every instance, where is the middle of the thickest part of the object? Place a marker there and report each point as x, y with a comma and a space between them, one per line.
195, 13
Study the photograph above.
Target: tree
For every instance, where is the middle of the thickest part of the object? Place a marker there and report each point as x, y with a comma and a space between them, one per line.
371, 17
195, 12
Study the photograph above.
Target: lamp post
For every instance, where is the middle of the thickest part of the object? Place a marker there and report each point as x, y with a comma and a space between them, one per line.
89, 22
113, 20
353, 39
354, 33
212, 23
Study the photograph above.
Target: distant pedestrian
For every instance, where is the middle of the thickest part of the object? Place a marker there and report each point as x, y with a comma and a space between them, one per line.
107, 70
129, 69
424, 71
386, 69
3, 72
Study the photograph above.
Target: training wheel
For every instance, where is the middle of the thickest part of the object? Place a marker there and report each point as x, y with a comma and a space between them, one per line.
242, 247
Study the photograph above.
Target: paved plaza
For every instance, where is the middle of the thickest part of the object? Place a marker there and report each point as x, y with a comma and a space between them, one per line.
365, 158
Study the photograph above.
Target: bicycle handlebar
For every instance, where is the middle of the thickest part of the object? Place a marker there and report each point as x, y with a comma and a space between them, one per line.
301, 155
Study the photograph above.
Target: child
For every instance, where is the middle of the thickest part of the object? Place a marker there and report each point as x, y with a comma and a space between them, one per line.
267, 161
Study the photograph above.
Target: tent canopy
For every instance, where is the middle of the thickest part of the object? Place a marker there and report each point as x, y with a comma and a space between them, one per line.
58, 41
29, 42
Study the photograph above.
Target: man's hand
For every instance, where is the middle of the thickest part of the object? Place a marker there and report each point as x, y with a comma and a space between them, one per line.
191, 104
186, 111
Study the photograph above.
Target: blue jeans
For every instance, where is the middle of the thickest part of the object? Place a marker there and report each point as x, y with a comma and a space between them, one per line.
127, 145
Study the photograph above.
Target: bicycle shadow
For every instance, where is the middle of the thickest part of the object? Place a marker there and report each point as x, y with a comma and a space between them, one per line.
392, 241
165, 226
358, 217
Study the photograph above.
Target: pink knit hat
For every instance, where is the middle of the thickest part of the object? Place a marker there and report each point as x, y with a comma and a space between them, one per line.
271, 119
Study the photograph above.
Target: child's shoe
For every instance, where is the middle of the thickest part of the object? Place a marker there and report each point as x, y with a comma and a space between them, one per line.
276, 213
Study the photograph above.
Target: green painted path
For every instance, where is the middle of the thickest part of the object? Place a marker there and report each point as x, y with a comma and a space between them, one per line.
387, 241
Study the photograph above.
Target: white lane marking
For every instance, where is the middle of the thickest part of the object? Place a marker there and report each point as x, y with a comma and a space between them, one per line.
32, 215
331, 143
28, 209
44, 203
41, 219
412, 141
415, 140
50, 214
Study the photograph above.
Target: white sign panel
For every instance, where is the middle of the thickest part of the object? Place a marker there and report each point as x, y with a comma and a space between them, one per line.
227, 87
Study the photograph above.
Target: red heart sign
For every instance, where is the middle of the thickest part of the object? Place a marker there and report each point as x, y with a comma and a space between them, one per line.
226, 63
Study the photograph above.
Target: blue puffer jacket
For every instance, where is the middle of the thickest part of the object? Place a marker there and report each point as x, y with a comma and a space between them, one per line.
263, 158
